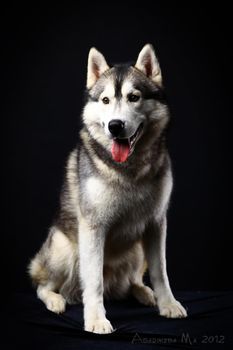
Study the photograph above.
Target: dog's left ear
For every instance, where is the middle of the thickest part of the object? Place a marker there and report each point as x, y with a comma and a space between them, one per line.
147, 63
97, 65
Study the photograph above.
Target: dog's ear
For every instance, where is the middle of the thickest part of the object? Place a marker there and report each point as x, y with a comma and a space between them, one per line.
97, 65
147, 63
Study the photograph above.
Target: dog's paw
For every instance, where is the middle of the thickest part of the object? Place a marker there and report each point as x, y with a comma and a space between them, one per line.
56, 303
172, 309
148, 297
102, 326
144, 295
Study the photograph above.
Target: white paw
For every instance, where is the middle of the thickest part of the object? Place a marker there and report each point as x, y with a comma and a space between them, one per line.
56, 303
172, 309
102, 326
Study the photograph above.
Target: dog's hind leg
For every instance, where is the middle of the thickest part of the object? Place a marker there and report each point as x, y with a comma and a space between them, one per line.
138, 266
46, 286
50, 269
143, 294
53, 301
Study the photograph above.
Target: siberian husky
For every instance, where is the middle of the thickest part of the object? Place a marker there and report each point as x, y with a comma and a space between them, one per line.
112, 220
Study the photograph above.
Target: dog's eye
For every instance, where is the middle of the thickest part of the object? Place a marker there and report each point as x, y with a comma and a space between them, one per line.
133, 98
105, 100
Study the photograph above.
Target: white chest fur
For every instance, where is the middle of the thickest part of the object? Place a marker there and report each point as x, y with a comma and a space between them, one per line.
127, 208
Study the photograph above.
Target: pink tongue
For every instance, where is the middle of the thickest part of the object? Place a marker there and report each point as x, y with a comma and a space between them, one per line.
120, 151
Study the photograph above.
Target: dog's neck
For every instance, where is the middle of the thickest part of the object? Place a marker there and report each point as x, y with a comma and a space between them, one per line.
146, 160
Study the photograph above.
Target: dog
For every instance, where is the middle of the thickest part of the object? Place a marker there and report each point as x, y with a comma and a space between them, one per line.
112, 223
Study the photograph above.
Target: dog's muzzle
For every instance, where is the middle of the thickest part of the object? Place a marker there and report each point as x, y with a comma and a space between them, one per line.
122, 148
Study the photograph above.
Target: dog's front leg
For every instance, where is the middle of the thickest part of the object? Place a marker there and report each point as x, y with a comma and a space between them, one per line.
91, 255
155, 250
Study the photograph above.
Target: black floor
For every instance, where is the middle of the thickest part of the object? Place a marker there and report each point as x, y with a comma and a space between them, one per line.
209, 325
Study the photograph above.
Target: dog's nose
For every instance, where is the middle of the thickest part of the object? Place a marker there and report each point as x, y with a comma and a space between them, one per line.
115, 127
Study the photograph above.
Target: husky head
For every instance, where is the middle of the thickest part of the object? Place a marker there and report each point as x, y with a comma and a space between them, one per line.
124, 102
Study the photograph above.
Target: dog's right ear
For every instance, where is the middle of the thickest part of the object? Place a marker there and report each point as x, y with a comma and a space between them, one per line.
97, 65
148, 64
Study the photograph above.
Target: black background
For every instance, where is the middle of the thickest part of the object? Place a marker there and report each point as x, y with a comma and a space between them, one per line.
44, 56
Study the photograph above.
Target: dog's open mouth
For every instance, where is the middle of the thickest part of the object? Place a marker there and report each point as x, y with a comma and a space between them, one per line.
122, 148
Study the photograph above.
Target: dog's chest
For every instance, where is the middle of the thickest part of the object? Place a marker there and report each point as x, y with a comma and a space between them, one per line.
117, 204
